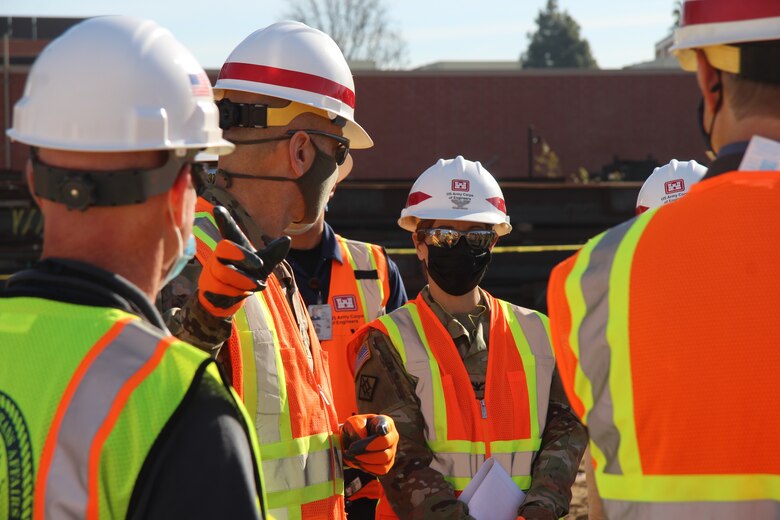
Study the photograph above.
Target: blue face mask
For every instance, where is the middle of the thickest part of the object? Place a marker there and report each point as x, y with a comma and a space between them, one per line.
179, 264
186, 253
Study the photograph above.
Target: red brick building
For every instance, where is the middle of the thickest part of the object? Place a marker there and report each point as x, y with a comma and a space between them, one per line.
587, 118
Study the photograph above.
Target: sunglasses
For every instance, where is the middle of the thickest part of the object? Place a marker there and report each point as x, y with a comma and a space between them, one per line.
448, 238
341, 151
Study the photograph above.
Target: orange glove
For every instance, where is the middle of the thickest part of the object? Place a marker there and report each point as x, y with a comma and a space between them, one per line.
234, 271
369, 442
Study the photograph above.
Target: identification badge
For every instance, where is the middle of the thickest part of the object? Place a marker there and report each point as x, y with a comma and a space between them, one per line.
322, 318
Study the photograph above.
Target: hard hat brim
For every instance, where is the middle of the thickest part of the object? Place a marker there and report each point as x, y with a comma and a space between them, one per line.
358, 137
217, 147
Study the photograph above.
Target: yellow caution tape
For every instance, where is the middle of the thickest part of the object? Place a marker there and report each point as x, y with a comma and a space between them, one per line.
500, 249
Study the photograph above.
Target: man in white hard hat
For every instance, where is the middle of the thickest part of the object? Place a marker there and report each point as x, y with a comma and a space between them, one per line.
345, 284
103, 413
465, 376
665, 327
286, 99
668, 183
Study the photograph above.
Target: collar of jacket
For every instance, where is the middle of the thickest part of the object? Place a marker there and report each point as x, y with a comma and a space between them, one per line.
81, 283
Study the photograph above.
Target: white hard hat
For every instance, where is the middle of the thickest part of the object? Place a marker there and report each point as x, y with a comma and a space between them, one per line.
714, 26
668, 183
456, 189
116, 84
292, 61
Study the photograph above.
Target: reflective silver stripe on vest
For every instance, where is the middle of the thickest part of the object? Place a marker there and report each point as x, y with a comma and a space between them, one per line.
417, 364
458, 465
362, 255
752, 509
594, 347
209, 228
300, 471
269, 403
517, 464
466, 465
280, 513
66, 483
539, 342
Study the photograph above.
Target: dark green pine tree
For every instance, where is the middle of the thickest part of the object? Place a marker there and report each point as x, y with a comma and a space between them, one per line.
557, 42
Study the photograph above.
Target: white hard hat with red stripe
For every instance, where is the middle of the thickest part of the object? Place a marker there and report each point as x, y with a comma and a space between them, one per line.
715, 26
292, 61
456, 189
668, 183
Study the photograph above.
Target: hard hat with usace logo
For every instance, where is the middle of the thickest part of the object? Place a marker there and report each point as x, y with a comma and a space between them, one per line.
456, 189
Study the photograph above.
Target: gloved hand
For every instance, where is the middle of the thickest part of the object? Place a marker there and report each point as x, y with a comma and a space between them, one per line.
369, 442
235, 271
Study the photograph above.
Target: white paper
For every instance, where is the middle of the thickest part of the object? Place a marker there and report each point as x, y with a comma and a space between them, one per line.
492, 494
762, 155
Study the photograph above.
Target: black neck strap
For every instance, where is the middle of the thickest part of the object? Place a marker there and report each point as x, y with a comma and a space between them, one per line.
80, 189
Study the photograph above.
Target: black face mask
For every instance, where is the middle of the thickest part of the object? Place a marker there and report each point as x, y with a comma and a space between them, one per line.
315, 184
459, 269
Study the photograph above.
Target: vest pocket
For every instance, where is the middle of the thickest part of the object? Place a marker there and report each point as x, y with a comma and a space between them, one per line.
459, 423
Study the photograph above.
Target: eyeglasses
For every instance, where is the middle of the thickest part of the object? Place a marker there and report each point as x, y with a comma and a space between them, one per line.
341, 151
448, 238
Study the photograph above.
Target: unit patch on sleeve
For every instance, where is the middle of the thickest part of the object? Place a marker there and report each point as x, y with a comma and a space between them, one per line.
367, 387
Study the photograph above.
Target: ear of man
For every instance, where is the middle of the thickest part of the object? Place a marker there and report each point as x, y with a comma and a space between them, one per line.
301, 153
709, 81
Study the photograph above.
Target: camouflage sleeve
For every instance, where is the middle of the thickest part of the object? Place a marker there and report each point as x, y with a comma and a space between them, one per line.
563, 443
186, 318
412, 487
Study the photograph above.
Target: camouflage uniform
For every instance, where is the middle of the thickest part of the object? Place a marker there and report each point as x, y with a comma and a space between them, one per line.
412, 487
186, 318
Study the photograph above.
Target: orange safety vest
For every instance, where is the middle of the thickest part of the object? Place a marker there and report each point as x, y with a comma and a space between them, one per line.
461, 430
665, 330
358, 294
291, 404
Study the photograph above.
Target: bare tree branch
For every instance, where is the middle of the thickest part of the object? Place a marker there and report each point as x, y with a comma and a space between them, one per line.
362, 29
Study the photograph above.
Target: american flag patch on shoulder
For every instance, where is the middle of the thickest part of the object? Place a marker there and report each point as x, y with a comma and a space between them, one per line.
363, 355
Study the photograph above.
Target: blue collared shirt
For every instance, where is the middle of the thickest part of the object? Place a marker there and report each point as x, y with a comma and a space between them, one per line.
312, 269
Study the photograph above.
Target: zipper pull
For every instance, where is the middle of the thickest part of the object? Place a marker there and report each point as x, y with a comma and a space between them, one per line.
483, 407
322, 394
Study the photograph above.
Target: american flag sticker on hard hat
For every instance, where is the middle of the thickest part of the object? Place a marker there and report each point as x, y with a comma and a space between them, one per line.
200, 84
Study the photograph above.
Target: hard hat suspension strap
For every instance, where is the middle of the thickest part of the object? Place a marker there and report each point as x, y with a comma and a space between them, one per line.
80, 189
250, 115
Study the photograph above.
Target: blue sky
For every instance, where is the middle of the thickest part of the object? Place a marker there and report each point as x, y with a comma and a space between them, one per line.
620, 33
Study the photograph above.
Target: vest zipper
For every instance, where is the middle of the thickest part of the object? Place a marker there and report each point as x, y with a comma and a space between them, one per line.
485, 427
